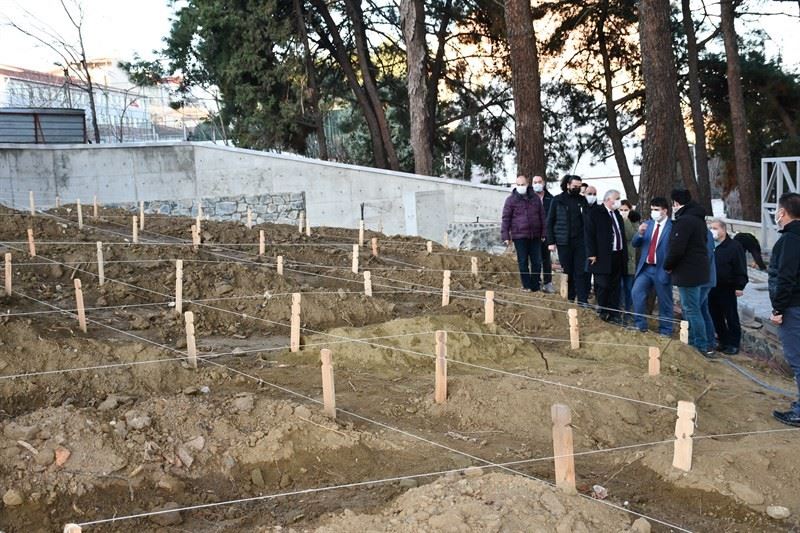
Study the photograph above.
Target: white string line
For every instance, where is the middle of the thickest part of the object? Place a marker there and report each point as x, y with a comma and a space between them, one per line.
550, 339
244, 315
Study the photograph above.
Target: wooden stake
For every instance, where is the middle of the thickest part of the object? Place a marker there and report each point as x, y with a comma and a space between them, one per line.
80, 213
355, 259
308, 227
101, 269
191, 344
79, 305
72, 528
94, 206
429, 247
684, 332
367, 283
33, 204
375, 247
179, 286
474, 266
294, 340
261, 245
488, 308
249, 218
654, 366
440, 390
564, 286
361, 232
684, 429
141, 215
280, 265
574, 330
562, 448
446, 288
195, 238
301, 221
8, 274
135, 229
31, 243
328, 391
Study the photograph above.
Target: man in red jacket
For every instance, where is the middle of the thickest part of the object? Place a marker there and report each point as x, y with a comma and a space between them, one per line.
523, 223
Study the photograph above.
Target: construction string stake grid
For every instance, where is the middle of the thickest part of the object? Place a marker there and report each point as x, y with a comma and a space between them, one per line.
490, 464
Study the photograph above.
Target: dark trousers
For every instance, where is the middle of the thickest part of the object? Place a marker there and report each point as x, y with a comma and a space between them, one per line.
529, 259
607, 287
573, 260
547, 265
722, 303
789, 333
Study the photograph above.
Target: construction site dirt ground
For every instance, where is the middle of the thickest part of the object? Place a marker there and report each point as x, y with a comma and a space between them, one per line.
114, 423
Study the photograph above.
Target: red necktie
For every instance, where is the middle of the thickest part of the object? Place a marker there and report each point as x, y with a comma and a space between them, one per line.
651, 253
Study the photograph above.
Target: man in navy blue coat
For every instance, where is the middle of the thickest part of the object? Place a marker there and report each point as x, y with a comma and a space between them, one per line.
653, 239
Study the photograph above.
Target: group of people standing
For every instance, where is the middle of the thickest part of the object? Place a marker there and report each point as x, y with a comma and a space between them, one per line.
631, 265
602, 245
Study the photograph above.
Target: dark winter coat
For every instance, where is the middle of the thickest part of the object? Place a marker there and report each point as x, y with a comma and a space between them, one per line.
523, 217
599, 235
731, 264
688, 259
784, 269
565, 220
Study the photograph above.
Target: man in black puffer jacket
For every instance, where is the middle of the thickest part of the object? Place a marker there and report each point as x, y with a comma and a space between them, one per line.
565, 233
688, 264
784, 291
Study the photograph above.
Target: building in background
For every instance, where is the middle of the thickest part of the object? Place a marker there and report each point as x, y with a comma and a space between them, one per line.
125, 112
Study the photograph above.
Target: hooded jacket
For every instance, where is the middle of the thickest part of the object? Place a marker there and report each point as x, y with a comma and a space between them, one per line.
523, 217
688, 259
784, 269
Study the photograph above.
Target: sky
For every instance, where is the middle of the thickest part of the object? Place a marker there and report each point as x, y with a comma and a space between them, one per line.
118, 28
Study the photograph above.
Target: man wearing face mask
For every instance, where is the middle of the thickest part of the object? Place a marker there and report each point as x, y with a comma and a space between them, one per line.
607, 251
688, 262
591, 195
653, 240
784, 292
565, 233
524, 224
544, 195
731, 266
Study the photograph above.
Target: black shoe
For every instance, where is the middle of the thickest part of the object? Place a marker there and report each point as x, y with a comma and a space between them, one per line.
730, 350
790, 418
708, 354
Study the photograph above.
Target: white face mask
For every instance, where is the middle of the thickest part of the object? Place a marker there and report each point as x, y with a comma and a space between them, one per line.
591, 198
617, 204
522, 189
538, 187
624, 214
656, 215
778, 219
715, 234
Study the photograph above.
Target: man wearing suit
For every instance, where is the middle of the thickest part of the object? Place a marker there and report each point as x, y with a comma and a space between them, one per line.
606, 250
653, 239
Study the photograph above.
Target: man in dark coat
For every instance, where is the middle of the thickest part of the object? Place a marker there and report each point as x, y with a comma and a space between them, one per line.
731, 280
688, 264
784, 292
523, 223
606, 249
565, 233
540, 189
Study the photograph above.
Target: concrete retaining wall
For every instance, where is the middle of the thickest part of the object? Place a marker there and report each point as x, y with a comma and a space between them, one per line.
186, 171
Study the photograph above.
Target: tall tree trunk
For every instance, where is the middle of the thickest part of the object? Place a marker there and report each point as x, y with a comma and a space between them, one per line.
741, 148
614, 133
356, 15
661, 99
316, 112
412, 19
437, 67
685, 161
525, 81
90, 91
336, 47
695, 102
